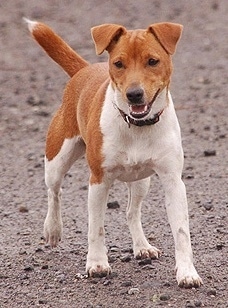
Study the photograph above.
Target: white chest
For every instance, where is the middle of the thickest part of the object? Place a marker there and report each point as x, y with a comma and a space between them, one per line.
133, 153
127, 164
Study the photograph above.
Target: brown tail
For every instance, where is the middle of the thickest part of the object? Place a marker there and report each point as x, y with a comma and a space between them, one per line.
56, 48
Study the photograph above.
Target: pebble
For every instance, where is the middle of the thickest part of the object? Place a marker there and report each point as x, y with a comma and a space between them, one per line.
39, 249
220, 246
133, 291
189, 304
148, 267
198, 303
61, 278
164, 297
211, 292
126, 258
34, 101
44, 266
145, 261
114, 249
209, 153
42, 301
113, 205
28, 268
81, 276
22, 252
42, 113
112, 258
208, 205
107, 282
126, 284
23, 209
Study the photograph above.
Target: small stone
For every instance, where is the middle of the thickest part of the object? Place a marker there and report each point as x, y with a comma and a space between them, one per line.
127, 250
112, 258
189, 304
107, 282
208, 206
39, 249
61, 278
133, 291
219, 246
155, 298
34, 101
42, 301
23, 209
42, 113
164, 297
211, 292
148, 267
81, 276
198, 303
126, 258
114, 249
113, 275
145, 261
113, 205
126, 284
209, 153
22, 252
28, 268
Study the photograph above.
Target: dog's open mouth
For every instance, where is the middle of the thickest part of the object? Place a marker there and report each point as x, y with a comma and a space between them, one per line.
139, 111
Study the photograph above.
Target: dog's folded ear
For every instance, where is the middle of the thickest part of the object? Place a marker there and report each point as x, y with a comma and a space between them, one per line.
167, 34
106, 34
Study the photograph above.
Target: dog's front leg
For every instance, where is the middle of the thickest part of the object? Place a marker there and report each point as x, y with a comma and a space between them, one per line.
97, 260
177, 211
136, 192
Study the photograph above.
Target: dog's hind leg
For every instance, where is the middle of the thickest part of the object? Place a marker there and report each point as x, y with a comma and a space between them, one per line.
136, 193
55, 169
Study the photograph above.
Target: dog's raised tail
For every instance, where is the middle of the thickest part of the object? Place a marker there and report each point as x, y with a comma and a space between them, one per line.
56, 48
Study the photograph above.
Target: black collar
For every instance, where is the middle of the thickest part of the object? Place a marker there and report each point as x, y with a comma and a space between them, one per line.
151, 121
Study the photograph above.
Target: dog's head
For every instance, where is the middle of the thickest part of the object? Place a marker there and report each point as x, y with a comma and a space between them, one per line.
139, 62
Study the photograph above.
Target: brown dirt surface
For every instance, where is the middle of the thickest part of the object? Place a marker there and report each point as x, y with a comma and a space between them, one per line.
31, 86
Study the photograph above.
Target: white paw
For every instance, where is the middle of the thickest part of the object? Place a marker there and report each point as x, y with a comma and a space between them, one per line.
146, 252
53, 231
187, 277
98, 267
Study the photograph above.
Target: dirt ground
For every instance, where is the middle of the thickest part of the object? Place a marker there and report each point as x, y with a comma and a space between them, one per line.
31, 274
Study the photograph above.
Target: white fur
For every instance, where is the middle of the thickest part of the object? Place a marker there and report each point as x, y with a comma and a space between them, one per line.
71, 150
31, 24
97, 260
130, 155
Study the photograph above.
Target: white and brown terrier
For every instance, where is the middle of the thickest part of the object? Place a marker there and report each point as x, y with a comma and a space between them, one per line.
121, 116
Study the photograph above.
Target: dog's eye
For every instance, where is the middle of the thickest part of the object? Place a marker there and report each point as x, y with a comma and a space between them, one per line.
153, 62
118, 64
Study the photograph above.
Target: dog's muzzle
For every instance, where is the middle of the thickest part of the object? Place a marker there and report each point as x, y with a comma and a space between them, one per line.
137, 107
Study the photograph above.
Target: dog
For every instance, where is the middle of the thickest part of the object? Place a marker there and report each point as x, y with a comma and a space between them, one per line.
121, 116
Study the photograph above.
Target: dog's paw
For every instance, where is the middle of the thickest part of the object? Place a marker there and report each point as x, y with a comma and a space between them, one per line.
98, 269
188, 278
52, 232
145, 253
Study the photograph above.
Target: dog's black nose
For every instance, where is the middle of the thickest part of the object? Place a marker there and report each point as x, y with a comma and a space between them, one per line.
135, 95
